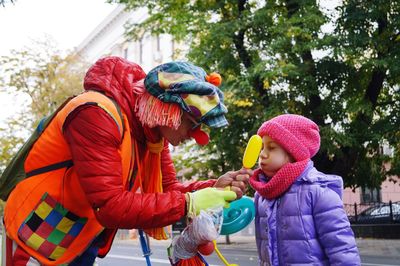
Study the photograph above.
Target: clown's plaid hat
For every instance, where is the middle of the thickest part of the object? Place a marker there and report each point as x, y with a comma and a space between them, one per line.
185, 84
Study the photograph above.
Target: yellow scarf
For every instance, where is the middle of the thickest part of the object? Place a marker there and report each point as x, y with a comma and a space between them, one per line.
149, 177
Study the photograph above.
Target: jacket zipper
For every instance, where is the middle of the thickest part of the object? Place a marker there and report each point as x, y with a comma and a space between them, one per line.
278, 236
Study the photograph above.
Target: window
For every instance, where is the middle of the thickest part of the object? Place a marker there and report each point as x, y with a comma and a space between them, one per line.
141, 50
158, 43
126, 53
369, 195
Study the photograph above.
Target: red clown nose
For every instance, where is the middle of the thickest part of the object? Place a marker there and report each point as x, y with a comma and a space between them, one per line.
200, 136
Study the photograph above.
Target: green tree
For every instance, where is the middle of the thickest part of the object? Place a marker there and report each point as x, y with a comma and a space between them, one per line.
337, 66
45, 78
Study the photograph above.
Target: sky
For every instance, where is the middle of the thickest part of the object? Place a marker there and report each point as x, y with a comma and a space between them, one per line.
67, 22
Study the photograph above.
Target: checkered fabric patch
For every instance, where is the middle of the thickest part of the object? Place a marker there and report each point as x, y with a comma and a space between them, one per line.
50, 228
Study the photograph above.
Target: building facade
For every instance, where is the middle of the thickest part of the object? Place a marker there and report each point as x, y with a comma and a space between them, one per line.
109, 38
389, 190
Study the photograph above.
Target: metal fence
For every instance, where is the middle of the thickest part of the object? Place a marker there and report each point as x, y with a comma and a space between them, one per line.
374, 213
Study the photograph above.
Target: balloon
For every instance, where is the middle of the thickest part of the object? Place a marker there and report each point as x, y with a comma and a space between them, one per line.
206, 249
226, 263
252, 151
239, 214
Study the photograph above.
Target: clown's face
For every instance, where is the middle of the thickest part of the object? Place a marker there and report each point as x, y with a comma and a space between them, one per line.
182, 133
272, 157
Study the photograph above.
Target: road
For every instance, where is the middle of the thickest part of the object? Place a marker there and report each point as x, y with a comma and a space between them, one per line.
124, 254
130, 254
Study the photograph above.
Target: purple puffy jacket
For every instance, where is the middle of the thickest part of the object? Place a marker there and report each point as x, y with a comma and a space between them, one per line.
307, 225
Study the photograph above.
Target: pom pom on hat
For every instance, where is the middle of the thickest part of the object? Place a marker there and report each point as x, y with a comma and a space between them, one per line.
298, 135
214, 78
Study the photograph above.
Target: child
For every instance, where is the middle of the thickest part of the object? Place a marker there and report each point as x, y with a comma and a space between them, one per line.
300, 218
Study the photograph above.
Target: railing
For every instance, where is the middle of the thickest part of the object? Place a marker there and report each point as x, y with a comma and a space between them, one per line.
373, 213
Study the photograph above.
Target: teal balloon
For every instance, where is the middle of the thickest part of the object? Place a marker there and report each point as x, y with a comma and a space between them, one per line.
239, 214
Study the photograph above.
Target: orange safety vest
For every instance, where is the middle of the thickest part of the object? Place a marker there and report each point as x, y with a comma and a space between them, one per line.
47, 214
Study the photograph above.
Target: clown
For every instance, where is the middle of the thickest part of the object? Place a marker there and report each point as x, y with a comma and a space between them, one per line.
103, 163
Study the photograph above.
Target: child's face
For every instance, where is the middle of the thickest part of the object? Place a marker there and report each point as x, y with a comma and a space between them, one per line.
272, 157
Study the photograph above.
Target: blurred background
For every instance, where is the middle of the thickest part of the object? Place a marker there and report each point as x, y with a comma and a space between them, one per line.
335, 62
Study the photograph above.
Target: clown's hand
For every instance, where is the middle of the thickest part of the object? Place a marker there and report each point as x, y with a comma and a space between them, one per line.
208, 198
235, 181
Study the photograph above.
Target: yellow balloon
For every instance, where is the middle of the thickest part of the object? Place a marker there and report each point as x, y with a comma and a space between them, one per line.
252, 151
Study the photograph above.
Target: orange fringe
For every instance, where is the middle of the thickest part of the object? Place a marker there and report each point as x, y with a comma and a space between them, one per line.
153, 112
194, 261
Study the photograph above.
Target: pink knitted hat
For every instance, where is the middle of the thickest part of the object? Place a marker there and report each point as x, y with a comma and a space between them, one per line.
298, 135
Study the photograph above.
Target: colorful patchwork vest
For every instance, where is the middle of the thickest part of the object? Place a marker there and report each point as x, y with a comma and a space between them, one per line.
47, 214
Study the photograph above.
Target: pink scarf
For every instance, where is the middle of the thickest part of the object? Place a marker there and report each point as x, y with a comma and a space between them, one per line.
280, 182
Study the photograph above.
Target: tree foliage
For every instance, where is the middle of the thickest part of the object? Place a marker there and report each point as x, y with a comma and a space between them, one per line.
45, 78
337, 66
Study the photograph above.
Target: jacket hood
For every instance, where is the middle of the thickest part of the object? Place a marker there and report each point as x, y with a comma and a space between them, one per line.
120, 80
117, 78
312, 175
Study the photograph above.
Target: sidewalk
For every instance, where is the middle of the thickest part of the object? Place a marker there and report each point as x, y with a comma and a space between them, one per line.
372, 247
389, 248
379, 247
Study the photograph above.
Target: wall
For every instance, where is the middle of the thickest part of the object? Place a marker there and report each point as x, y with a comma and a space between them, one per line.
389, 191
